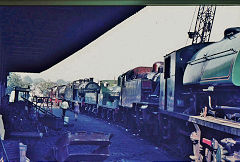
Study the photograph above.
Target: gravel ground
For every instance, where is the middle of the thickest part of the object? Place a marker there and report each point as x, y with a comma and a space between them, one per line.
125, 146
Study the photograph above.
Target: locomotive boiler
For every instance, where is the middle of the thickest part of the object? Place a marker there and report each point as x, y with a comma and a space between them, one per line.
215, 70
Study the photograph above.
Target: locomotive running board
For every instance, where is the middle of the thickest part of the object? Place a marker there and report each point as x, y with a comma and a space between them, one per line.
63, 146
224, 125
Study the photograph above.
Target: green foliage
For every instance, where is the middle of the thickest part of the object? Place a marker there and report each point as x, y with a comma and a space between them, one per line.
27, 79
15, 80
39, 84
45, 85
38, 80
61, 82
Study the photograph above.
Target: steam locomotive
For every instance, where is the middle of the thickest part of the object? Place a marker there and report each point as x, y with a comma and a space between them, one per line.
193, 94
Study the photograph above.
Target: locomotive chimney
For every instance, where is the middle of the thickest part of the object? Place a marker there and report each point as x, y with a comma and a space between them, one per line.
157, 67
90, 79
160, 69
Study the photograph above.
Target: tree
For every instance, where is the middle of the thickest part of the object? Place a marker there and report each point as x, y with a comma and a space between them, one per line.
15, 80
38, 80
45, 86
61, 82
27, 79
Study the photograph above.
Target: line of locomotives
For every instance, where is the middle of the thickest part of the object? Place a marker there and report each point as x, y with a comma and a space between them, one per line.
190, 102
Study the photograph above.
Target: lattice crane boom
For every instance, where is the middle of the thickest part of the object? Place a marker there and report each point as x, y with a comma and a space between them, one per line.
203, 25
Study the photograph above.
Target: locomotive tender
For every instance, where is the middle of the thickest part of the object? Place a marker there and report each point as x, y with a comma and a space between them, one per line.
193, 95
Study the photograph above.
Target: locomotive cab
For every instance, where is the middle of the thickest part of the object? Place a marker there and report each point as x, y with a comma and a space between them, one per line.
173, 96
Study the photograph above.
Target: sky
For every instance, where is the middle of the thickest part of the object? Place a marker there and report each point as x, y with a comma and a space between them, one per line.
140, 40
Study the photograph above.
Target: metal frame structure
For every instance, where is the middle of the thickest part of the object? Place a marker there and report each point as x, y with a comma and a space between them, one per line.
62, 151
203, 24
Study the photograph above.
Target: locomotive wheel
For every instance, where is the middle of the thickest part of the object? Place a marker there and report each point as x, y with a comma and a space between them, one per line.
92, 111
217, 155
109, 115
103, 114
132, 123
152, 128
95, 111
166, 128
208, 155
161, 131
147, 132
89, 111
126, 120
139, 122
155, 130
85, 109
99, 113
115, 116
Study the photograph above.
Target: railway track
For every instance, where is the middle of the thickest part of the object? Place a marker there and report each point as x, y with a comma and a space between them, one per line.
163, 147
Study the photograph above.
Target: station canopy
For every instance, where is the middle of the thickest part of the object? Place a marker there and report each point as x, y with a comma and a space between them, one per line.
34, 38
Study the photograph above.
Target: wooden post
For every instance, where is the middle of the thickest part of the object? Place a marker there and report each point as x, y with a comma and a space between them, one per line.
3, 74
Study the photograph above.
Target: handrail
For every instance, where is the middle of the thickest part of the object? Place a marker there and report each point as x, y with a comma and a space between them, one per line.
205, 57
5, 152
39, 108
